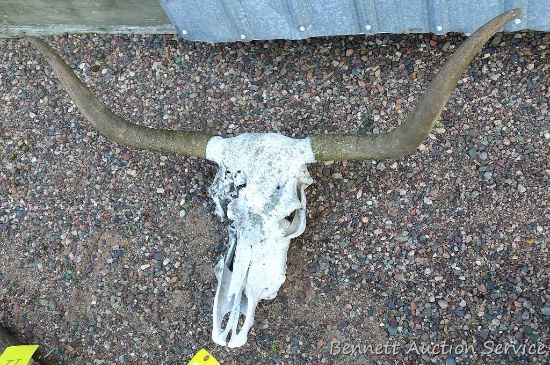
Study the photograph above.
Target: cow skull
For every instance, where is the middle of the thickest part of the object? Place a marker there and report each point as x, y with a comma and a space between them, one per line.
259, 187
261, 181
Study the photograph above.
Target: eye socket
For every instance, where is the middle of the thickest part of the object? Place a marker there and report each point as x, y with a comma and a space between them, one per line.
291, 216
290, 223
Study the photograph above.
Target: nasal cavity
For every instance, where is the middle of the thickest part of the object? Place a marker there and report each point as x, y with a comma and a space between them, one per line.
235, 327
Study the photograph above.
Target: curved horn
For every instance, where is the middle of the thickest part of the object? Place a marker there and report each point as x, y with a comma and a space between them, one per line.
189, 143
412, 132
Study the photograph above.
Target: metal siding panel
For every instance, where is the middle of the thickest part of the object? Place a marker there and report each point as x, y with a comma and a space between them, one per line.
239, 18
389, 16
413, 13
201, 20
335, 17
537, 16
462, 20
438, 17
269, 18
231, 20
303, 24
369, 15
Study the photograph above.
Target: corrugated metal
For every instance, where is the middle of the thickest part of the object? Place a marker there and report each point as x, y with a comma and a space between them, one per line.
245, 20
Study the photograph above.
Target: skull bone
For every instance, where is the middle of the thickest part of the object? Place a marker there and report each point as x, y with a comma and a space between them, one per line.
259, 188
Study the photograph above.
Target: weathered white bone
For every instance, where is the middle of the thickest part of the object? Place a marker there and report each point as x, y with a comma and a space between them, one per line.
260, 189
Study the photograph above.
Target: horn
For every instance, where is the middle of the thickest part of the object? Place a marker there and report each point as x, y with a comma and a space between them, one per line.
189, 143
411, 133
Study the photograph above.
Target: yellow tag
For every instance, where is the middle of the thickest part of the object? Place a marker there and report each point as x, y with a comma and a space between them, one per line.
17, 355
202, 357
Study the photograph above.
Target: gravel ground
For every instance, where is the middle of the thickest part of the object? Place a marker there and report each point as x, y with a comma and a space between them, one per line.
107, 254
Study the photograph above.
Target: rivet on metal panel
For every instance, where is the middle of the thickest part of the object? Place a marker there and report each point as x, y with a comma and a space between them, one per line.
439, 28
368, 27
